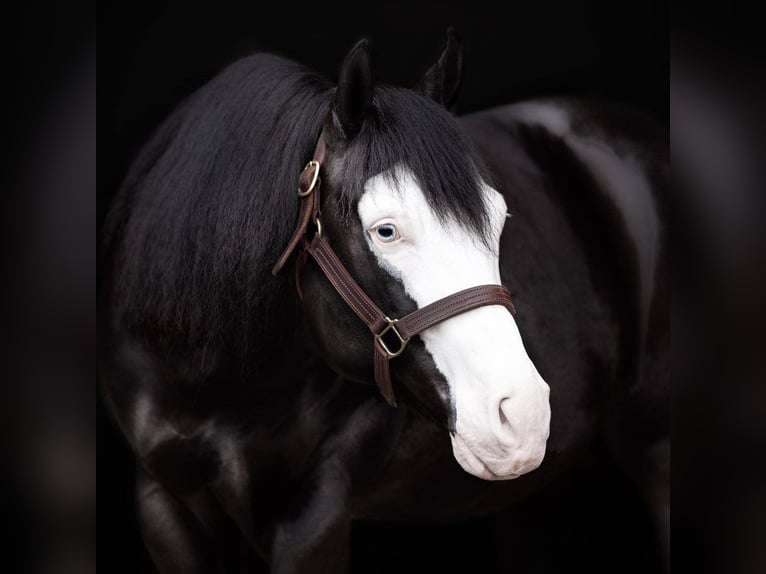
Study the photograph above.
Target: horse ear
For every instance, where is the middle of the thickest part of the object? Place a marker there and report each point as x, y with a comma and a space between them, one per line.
354, 94
442, 81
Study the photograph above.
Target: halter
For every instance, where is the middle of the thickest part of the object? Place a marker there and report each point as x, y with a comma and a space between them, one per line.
377, 321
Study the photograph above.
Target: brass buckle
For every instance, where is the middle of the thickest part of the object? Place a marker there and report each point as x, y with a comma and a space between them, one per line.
315, 164
402, 341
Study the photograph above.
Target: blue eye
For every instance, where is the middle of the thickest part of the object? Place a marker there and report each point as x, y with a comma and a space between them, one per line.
386, 232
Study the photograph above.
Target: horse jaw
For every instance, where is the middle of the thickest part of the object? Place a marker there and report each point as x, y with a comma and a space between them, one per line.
501, 407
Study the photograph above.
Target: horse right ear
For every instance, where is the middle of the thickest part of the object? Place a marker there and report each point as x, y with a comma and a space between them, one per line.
442, 81
354, 94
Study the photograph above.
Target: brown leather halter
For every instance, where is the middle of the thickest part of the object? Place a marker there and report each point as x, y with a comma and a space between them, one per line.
376, 320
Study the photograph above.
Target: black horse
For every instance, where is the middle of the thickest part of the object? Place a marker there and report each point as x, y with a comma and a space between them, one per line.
251, 409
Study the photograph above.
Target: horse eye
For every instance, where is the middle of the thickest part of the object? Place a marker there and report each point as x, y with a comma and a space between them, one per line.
386, 232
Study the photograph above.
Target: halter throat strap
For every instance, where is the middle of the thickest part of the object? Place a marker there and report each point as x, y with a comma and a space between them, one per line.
390, 336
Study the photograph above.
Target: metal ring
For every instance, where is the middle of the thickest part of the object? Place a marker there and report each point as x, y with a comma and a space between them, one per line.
315, 164
402, 341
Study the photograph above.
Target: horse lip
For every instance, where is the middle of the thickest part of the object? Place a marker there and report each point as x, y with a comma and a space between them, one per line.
475, 465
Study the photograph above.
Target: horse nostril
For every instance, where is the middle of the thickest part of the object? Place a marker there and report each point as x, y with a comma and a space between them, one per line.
505, 425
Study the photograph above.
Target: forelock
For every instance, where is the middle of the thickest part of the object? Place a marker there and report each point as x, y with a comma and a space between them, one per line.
406, 129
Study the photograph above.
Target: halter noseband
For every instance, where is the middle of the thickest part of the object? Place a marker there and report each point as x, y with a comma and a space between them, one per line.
376, 320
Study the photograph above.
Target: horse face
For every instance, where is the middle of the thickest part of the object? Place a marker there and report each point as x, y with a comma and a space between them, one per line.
494, 394
471, 372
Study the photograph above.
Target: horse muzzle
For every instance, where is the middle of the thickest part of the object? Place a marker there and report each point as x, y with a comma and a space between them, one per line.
510, 439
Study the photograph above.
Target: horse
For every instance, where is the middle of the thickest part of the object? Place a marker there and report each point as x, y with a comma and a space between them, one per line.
248, 398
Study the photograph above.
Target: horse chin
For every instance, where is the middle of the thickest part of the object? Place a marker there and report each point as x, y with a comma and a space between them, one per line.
472, 464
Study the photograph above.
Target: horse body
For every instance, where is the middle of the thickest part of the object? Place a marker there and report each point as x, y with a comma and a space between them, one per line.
283, 460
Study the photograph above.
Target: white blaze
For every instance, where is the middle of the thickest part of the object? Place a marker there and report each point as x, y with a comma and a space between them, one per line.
501, 402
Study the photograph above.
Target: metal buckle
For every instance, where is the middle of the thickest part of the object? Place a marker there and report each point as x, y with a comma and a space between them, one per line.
315, 164
402, 341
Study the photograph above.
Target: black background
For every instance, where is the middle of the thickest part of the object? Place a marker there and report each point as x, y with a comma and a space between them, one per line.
154, 55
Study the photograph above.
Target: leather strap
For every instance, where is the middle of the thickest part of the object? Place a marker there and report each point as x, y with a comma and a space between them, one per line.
344, 284
309, 183
361, 304
379, 324
460, 302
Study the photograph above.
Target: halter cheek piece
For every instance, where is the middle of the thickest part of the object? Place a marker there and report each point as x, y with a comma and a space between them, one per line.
376, 320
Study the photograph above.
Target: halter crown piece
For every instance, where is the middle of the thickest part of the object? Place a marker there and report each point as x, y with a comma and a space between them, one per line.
377, 321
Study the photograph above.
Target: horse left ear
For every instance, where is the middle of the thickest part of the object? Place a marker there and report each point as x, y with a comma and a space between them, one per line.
355, 89
442, 81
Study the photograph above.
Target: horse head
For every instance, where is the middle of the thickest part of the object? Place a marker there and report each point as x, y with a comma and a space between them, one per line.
408, 208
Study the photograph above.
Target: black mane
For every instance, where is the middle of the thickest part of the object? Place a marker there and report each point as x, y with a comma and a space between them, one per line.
208, 205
